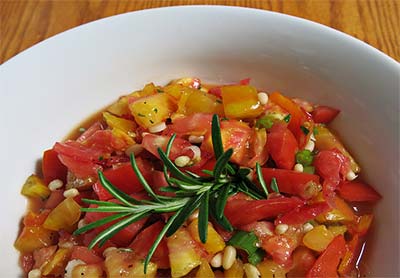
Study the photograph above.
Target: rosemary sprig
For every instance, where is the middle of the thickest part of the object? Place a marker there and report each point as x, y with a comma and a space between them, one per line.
208, 194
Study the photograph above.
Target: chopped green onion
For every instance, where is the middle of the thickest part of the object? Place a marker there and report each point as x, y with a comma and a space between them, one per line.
304, 157
287, 118
309, 169
248, 241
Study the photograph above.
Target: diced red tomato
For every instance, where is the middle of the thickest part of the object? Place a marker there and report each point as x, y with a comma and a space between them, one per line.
89, 236
32, 219
324, 114
216, 91
106, 141
52, 168
282, 146
123, 237
78, 158
235, 134
241, 212
327, 263
258, 151
353, 191
152, 142
302, 214
207, 162
195, 124
89, 132
303, 185
26, 261
43, 255
84, 254
280, 247
245, 81
261, 229
145, 239
124, 178
303, 260
331, 166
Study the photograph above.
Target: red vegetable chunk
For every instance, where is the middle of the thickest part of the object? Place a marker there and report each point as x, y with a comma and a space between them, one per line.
324, 114
303, 185
357, 192
302, 214
52, 168
282, 146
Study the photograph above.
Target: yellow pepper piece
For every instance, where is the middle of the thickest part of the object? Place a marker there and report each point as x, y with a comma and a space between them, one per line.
120, 107
201, 102
204, 270
270, 269
241, 102
214, 243
337, 230
57, 264
318, 238
183, 256
236, 270
33, 238
152, 110
122, 263
326, 140
87, 271
122, 124
35, 187
64, 216
341, 213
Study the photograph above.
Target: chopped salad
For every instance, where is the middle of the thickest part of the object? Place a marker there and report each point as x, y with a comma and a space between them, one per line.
198, 180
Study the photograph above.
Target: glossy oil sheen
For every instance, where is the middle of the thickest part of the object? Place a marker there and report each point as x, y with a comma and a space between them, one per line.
48, 89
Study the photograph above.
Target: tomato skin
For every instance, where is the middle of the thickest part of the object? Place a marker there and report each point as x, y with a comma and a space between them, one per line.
353, 191
195, 124
302, 214
124, 178
52, 168
89, 236
85, 254
152, 142
241, 212
303, 260
26, 262
145, 239
324, 114
303, 185
282, 146
350, 256
327, 263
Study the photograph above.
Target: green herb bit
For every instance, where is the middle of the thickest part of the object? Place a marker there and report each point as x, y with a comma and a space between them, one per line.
218, 100
155, 110
304, 157
315, 131
287, 118
159, 90
82, 129
305, 130
274, 185
265, 122
141, 115
248, 241
261, 179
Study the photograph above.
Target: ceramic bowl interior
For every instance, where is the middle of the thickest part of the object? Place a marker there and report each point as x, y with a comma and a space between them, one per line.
49, 89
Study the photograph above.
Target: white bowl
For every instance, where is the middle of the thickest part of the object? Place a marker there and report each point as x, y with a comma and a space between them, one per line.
50, 88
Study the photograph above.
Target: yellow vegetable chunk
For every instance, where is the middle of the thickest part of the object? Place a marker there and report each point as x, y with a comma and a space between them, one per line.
57, 264
64, 216
337, 230
270, 269
241, 102
326, 140
87, 271
214, 243
122, 263
152, 110
318, 238
120, 107
122, 124
183, 255
35, 187
341, 213
201, 102
235, 271
204, 270
32, 238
